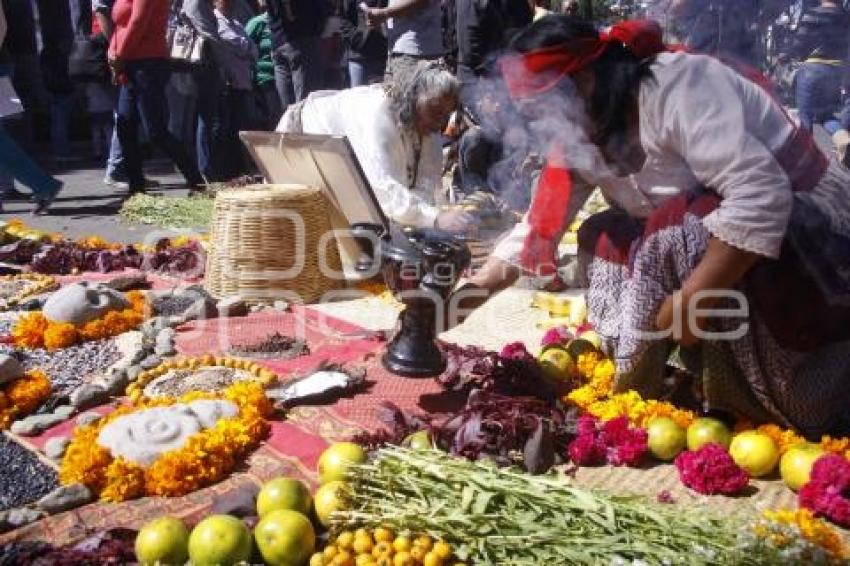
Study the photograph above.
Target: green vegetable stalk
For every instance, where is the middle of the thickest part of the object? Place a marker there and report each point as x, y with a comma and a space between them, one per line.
506, 517
168, 212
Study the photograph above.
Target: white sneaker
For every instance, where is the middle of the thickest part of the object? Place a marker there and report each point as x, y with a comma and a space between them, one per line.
115, 183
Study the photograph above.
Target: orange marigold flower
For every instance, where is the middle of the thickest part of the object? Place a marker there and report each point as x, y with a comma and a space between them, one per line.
60, 335
28, 331
23, 396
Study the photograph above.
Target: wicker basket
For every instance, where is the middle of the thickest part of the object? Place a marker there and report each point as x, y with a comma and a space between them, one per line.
265, 245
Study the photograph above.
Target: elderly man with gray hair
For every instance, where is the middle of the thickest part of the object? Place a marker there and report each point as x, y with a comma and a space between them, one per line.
394, 129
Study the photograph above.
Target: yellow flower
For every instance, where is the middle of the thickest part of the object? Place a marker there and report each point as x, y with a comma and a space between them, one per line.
60, 335
811, 528
206, 458
23, 396
28, 331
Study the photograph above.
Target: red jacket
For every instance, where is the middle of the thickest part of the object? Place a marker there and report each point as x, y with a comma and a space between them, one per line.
140, 27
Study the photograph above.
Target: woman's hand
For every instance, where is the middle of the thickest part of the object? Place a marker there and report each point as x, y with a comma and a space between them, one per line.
720, 269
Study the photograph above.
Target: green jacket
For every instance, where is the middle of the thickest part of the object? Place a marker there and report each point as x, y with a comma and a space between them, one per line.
259, 32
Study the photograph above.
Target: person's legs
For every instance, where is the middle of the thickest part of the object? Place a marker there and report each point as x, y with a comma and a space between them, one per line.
20, 166
271, 101
475, 157
149, 79
127, 131
60, 118
209, 86
356, 73
283, 78
818, 93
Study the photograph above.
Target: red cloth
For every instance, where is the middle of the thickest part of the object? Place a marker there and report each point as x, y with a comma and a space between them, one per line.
536, 72
140, 27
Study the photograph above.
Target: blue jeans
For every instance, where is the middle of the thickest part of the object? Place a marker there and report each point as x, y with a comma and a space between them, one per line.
15, 162
357, 73
141, 100
115, 161
818, 97
297, 69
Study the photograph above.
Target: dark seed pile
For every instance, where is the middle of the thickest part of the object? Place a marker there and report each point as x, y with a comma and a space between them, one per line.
272, 346
172, 305
25, 478
68, 368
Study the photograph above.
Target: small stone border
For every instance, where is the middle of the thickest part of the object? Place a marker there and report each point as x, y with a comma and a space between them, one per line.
144, 359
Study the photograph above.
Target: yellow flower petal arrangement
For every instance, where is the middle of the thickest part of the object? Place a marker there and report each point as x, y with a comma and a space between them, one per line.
801, 522
36, 284
23, 396
135, 391
34, 330
596, 397
206, 458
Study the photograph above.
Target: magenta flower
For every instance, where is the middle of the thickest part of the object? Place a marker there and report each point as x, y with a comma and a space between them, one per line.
556, 337
828, 491
614, 442
711, 470
516, 351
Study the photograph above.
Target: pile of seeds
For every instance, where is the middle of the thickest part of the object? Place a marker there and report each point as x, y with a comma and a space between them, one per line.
68, 368
25, 478
11, 287
275, 346
179, 382
172, 305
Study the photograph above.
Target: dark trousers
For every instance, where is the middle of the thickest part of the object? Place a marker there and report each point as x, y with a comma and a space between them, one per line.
818, 96
236, 113
144, 90
296, 69
209, 147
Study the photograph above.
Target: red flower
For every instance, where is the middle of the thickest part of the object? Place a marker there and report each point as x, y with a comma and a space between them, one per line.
711, 470
516, 351
556, 337
614, 442
828, 490
585, 450
626, 445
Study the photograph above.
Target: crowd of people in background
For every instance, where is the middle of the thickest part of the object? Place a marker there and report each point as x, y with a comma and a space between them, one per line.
254, 59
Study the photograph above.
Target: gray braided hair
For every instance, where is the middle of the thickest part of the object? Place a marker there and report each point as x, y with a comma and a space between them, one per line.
420, 81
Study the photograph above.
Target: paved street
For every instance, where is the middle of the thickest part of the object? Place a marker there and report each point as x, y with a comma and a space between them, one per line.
86, 206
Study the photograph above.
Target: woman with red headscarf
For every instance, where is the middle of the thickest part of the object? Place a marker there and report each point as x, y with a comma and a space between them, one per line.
718, 202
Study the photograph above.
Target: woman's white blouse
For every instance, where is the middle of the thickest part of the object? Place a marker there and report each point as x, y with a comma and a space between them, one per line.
703, 125
386, 153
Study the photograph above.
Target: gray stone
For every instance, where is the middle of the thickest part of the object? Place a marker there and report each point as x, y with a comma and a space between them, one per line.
232, 306
35, 424
116, 382
64, 498
166, 336
64, 411
82, 302
88, 395
150, 362
15, 518
10, 369
202, 309
133, 372
35, 304
164, 350
192, 291
138, 356
86, 419
282, 306
55, 447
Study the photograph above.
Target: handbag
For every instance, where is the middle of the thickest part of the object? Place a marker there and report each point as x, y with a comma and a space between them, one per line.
87, 61
186, 47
